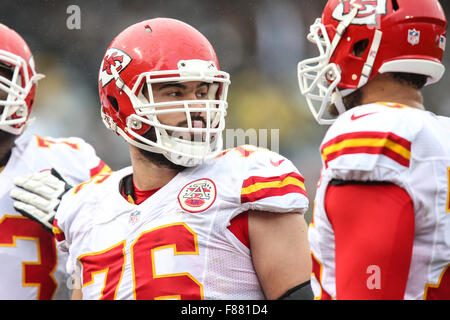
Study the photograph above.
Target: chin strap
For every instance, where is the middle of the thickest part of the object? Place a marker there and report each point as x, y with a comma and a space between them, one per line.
336, 97
120, 84
368, 65
342, 26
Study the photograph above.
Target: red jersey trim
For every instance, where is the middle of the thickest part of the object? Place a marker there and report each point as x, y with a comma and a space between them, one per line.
59, 234
101, 168
239, 227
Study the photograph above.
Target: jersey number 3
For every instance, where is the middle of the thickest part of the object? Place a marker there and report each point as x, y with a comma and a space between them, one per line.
147, 285
40, 273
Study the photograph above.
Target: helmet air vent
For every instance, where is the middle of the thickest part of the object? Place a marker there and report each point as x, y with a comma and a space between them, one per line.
395, 6
113, 102
360, 47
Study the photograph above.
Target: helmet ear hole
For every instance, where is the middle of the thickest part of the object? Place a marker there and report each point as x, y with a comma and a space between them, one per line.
113, 102
360, 47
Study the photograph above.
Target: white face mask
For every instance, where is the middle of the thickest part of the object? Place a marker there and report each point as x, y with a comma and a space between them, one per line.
317, 78
15, 111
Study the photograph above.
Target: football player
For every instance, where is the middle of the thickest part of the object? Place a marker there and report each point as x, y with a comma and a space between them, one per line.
31, 266
380, 228
186, 220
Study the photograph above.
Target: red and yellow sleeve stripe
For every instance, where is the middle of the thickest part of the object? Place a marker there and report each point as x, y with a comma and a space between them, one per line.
368, 142
59, 234
257, 188
100, 169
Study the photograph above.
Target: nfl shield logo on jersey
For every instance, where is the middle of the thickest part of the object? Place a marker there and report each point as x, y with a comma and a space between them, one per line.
413, 36
198, 195
134, 217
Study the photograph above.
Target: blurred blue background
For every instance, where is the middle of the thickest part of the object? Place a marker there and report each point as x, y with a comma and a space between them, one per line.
259, 42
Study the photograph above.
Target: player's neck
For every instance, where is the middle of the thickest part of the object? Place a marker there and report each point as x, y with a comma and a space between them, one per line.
147, 174
388, 90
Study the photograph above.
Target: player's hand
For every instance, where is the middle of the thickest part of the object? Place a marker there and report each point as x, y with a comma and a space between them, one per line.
39, 195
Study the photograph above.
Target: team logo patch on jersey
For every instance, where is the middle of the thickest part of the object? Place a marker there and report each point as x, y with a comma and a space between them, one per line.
113, 58
367, 13
198, 195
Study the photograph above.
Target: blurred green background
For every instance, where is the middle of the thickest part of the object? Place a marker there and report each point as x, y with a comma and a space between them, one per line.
259, 42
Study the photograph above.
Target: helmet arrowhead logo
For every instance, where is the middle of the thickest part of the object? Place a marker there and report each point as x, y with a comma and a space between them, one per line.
367, 13
113, 58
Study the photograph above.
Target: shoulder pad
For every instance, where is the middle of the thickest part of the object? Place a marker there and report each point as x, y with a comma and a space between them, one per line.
72, 156
367, 136
270, 182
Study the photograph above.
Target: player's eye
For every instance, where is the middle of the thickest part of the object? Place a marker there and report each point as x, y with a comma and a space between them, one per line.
202, 94
174, 93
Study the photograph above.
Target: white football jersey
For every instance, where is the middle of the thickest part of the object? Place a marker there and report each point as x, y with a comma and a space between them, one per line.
176, 244
30, 265
410, 148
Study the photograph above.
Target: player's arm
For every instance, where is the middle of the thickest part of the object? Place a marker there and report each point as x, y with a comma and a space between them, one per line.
77, 294
280, 253
374, 231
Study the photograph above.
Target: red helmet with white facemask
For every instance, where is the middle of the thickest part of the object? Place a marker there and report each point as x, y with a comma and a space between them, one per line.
19, 87
358, 39
155, 51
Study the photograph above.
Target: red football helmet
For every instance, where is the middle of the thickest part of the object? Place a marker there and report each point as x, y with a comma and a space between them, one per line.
357, 39
17, 62
154, 51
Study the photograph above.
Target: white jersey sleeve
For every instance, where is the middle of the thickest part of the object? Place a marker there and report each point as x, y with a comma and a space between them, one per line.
271, 182
72, 156
371, 143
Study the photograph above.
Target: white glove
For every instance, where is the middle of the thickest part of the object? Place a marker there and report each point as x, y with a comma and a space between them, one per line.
39, 195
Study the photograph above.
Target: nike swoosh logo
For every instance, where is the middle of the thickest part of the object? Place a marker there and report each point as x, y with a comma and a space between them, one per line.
353, 117
276, 163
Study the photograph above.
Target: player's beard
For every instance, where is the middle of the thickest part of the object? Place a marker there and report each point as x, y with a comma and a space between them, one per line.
350, 101
158, 159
